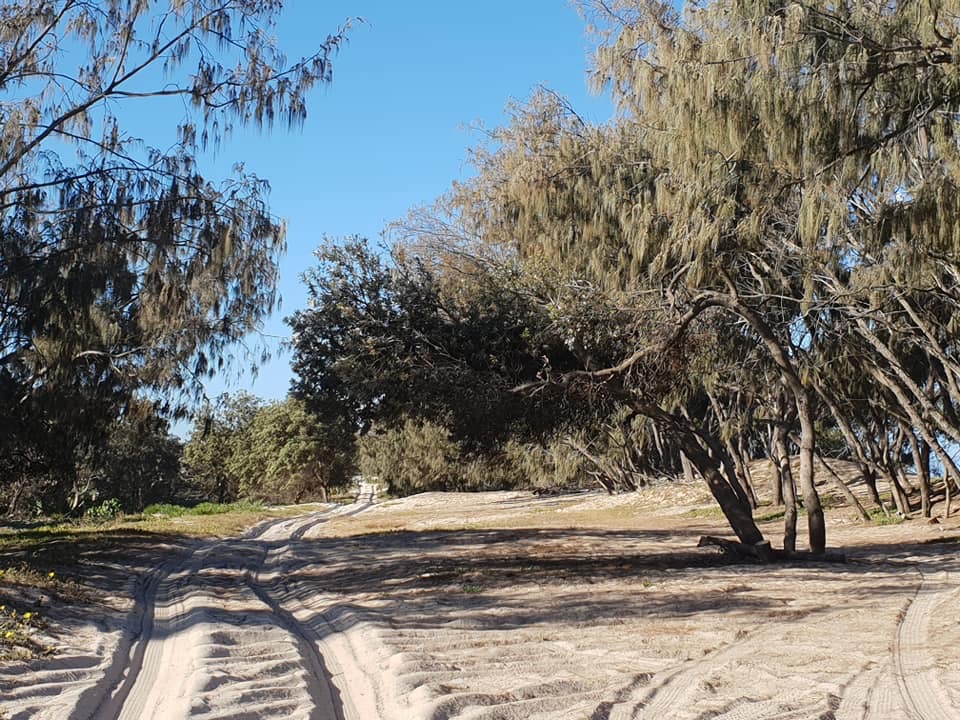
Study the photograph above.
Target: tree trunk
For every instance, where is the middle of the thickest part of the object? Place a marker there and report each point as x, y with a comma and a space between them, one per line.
732, 453
816, 527
687, 468
923, 469
844, 490
950, 469
747, 472
946, 497
787, 488
734, 508
15, 500
870, 480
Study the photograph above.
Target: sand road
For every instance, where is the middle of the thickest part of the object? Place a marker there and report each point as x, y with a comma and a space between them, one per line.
501, 620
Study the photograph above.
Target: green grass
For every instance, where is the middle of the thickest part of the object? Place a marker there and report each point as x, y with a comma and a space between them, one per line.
879, 517
206, 508
770, 516
705, 512
158, 523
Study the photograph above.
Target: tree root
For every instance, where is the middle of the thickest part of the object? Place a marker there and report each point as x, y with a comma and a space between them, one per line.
762, 552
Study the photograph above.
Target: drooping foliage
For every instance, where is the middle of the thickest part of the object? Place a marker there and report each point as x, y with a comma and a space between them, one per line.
124, 270
759, 251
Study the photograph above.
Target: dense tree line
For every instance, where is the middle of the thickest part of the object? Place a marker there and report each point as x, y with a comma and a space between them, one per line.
757, 257
243, 448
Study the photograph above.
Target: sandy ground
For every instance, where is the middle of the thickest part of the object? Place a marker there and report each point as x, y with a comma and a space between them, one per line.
504, 605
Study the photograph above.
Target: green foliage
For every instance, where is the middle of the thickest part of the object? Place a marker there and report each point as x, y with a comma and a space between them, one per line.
290, 455
277, 452
124, 270
205, 508
104, 512
218, 435
386, 339
414, 457
166, 509
65, 470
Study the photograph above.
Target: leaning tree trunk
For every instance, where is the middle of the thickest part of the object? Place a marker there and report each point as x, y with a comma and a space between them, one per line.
687, 468
922, 468
847, 493
816, 527
950, 469
735, 508
856, 447
723, 418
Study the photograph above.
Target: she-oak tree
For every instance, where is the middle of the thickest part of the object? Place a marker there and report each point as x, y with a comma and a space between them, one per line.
789, 167
120, 262
123, 269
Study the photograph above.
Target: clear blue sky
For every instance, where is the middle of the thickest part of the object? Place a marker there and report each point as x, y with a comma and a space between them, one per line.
390, 132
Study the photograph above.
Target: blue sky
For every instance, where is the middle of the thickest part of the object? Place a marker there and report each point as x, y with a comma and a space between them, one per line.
391, 131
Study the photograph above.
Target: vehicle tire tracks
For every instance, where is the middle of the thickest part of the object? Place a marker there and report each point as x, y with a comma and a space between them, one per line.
921, 694
133, 687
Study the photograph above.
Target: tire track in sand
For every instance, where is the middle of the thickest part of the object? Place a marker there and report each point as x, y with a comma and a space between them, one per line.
921, 694
150, 674
106, 697
677, 688
328, 650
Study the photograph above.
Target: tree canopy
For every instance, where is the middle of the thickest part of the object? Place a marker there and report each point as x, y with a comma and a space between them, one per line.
124, 270
757, 254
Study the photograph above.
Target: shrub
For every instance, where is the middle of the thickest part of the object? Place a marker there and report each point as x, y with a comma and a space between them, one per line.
412, 458
104, 512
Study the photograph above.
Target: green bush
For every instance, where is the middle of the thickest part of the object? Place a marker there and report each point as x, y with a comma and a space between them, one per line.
415, 457
209, 508
165, 509
104, 512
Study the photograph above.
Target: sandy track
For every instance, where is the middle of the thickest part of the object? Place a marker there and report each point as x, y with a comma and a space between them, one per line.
213, 639
523, 615
211, 635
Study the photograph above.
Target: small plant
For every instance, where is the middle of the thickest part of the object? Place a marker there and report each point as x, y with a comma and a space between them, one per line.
165, 509
879, 517
104, 512
16, 629
207, 508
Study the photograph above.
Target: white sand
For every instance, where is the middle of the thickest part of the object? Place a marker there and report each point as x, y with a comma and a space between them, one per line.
583, 606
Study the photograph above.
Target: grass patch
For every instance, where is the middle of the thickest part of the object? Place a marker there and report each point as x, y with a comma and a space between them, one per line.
770, 516
165, 524
207, 508
879, 517
709, 513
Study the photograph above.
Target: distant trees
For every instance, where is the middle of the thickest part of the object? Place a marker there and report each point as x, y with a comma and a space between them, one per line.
124, 269
132, 460
274, 452
218, 440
